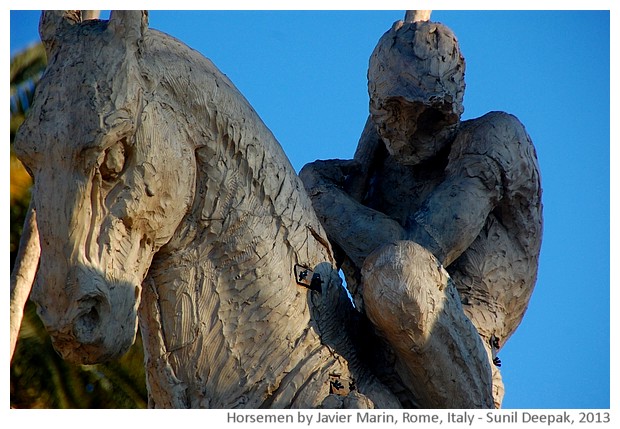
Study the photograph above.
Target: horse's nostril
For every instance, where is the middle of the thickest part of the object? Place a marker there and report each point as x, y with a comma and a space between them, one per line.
90, 319
86, 326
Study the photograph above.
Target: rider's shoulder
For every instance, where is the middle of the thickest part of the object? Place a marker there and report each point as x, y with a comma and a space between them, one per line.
499, 135
495, 125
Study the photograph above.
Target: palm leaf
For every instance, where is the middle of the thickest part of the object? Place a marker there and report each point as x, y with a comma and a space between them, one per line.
26, 70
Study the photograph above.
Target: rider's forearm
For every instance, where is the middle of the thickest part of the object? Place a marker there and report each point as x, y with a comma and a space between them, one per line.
357, 229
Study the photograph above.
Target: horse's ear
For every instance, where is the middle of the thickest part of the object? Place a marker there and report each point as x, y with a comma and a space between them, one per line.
129, 25
53, 23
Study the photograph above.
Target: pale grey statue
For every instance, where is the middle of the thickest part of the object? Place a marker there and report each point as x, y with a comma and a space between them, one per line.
163, 202
426, 190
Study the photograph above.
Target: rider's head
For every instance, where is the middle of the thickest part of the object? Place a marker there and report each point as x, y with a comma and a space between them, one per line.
416, 85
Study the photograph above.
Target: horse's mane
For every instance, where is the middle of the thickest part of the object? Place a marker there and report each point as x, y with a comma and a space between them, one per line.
217, 114
209, 97
229, 269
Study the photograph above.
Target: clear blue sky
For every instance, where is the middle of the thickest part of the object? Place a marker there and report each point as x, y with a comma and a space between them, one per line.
305, 74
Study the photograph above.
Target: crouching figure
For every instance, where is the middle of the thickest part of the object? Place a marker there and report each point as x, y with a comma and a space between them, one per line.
436, 222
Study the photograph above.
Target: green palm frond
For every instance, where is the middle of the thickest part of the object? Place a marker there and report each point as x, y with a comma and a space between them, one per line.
26, 69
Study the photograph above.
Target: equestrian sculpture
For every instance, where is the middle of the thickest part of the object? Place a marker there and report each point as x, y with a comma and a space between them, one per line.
163, 202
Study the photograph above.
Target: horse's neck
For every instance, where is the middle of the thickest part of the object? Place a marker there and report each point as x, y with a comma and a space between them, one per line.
227, 295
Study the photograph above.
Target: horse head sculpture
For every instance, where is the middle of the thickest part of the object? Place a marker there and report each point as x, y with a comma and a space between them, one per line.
103, 212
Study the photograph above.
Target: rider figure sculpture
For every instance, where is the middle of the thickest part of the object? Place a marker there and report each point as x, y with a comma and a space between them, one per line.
467, 191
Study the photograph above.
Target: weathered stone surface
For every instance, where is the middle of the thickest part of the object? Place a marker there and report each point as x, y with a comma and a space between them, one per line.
169, 194
415, 306
163, 201
23, 274
469, 192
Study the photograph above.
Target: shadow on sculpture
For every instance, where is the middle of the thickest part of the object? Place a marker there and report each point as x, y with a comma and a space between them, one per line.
171, 206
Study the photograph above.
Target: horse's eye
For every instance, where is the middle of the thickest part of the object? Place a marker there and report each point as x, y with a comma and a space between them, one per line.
113, 162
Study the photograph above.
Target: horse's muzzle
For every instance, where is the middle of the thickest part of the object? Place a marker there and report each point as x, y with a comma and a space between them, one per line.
100, 320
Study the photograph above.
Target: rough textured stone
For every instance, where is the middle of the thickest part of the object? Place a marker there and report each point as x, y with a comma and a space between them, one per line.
163, 201
467, 192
